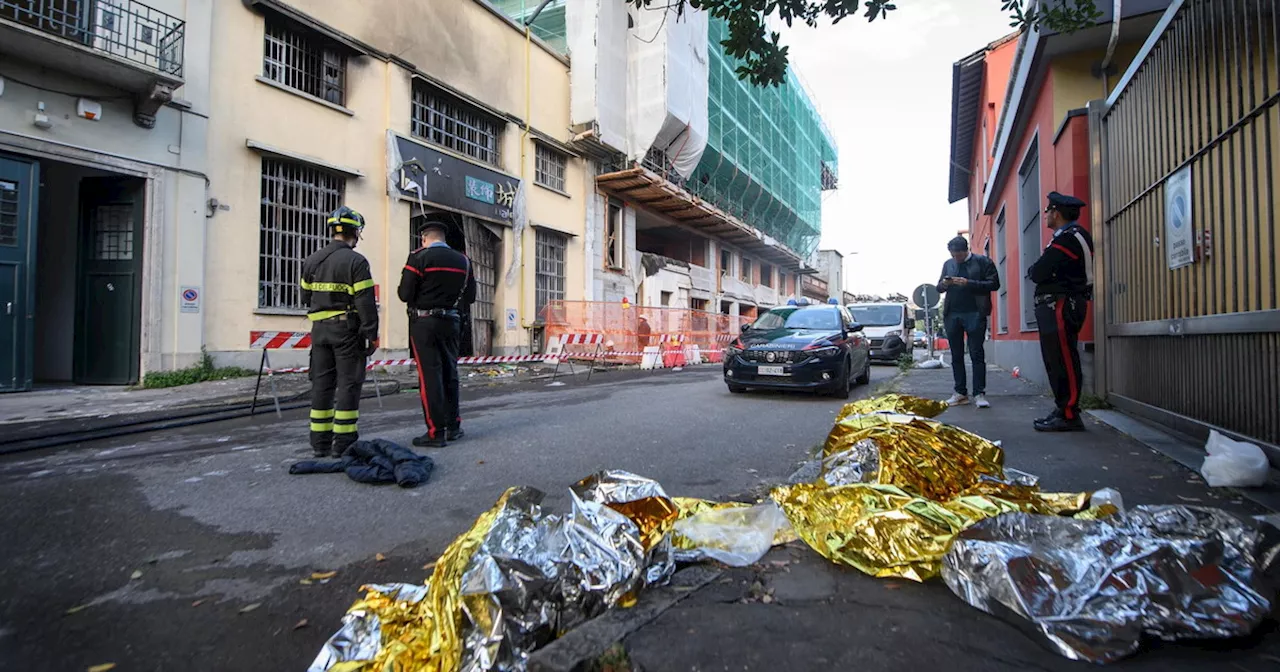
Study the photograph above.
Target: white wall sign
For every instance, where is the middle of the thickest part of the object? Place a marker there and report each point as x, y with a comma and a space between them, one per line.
513, 320
1179, 238
190, 299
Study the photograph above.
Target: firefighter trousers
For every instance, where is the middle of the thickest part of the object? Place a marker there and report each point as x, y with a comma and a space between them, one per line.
337, 376
435, 342
1059, 321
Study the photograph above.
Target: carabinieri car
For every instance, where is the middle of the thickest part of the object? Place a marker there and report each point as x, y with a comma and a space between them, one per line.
799, 347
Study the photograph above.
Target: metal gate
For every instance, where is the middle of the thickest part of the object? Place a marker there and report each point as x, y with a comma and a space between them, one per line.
1184, 193
482, 247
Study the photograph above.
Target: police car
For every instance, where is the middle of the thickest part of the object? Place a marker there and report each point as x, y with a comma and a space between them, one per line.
800, 346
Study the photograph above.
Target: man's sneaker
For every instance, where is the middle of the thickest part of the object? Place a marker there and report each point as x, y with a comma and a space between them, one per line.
981, 401
425, 441
958, 400
454, 434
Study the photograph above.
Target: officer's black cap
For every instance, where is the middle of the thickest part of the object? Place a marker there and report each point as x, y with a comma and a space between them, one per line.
438, 222
1057, 200
958, 244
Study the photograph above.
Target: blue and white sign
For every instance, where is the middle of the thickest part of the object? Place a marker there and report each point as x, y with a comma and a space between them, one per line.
479, 190
1179, 239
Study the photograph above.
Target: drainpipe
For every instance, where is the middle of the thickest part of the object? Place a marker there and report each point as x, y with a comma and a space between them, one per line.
1111, 47
524, 141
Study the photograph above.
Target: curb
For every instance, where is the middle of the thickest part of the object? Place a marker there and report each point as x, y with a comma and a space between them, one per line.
584, 644
1183, 452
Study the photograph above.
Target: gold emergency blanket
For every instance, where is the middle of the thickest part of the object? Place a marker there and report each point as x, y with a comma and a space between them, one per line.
895, 489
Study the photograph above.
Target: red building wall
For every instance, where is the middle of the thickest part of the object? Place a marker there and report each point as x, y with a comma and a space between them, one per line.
1063, 167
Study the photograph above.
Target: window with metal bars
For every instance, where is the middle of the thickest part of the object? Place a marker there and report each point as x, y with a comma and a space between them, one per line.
549, 167
296, 201
302, 61
550, 276
445, 120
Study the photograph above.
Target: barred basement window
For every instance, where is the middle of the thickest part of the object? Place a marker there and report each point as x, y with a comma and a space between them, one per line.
550, 278
301, 61
444, 120
549, 167
296, 201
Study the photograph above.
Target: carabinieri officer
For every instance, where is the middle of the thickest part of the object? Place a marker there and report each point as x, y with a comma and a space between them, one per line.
1064, 287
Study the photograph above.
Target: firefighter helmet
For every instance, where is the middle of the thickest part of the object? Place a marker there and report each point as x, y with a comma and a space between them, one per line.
345, 221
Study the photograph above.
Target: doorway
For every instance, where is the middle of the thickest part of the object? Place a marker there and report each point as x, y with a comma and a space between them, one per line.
481, 246
76, 234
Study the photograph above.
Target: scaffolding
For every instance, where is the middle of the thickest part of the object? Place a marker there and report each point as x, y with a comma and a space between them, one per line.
549, 26
768, 151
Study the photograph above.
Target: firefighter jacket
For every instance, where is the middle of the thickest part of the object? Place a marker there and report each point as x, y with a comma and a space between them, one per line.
336, 281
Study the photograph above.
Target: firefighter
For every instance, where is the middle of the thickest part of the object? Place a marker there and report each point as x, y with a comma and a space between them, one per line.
1064, 286
338, 290
437, 281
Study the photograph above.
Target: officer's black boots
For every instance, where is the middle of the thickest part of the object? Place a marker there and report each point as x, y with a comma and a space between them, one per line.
1057, 423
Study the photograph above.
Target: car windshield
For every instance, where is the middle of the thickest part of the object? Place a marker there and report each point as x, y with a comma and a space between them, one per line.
796, 318
877, 316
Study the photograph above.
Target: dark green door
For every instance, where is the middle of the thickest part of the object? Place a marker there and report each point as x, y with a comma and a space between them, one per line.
109, 300
18, 180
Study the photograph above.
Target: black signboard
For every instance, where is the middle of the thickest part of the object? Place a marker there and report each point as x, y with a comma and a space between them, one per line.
442, 179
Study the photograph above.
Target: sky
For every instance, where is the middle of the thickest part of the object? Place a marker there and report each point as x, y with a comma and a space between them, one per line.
884, 90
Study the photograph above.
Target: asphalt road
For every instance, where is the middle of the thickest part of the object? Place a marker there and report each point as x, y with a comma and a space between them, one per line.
184, 550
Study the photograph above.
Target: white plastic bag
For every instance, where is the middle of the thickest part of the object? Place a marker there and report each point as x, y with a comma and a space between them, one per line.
1233, 463
738, 537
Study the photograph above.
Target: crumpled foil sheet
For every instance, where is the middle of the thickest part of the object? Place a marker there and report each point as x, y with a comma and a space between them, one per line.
895, 489
902, 404
1092, 588
516, 580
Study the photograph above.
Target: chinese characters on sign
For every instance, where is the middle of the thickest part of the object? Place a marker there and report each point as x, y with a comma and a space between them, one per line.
431, 177
479, 190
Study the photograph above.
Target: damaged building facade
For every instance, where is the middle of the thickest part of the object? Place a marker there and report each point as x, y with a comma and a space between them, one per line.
708, 189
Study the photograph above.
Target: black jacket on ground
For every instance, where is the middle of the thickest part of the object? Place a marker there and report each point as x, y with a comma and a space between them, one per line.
337, 278
983, 277
437, 277
377, 462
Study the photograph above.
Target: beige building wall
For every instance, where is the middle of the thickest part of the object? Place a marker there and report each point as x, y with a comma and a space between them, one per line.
463, 45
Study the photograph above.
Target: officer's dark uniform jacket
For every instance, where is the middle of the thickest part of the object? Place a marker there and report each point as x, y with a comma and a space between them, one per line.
437, 278
1066, 266
336, 282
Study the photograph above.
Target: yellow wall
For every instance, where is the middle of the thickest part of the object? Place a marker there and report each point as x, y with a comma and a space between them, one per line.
1074, 84
460, 43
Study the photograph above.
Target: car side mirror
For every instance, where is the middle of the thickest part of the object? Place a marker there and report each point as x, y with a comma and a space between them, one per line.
855, 328
911, 323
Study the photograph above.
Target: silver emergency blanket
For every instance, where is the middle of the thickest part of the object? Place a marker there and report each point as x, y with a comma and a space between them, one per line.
1092, 588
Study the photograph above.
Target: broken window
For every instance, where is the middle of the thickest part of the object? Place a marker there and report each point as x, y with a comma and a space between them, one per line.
300, 61
613, 236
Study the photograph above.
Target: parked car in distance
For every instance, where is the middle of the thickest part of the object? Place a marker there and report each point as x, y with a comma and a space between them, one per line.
888, 326
919, 339
798, 347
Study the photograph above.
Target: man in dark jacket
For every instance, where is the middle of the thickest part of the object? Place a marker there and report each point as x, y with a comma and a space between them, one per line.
338, 289
968, 280
436, 283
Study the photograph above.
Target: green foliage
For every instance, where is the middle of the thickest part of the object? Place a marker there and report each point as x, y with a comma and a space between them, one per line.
764, 58
1092, 402
200, 372
906, 362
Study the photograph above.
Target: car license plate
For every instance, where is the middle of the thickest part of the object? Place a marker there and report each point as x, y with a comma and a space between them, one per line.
772, 371
874, 353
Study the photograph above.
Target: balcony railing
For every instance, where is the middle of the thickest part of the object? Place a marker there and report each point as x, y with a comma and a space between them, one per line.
122, 28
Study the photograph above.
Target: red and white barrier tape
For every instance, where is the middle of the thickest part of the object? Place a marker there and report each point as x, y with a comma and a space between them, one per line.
581, 339
280, 340
461, 360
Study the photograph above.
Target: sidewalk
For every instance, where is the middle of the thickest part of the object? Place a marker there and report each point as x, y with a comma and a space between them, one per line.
797, 611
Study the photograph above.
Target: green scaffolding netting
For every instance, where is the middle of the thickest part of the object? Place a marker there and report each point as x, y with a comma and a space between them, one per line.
550, 24
768, 153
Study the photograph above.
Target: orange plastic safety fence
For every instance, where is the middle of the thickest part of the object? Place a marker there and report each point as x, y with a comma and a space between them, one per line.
618, 331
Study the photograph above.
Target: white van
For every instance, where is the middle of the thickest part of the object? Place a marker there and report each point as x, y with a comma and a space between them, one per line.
888, 326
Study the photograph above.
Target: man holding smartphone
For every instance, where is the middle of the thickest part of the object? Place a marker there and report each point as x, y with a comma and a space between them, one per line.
968, 280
